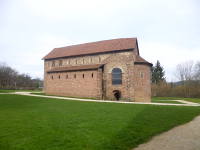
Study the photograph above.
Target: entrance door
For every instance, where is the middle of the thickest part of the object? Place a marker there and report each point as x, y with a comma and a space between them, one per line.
117, 94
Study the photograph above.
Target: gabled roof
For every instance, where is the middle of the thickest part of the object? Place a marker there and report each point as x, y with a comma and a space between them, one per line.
93, 48
75, 68
140, 60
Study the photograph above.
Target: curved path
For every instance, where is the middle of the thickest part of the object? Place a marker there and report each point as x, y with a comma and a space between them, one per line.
184, 137
108, 101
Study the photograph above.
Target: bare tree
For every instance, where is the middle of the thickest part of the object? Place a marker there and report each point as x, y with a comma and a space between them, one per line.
197, 71
11, 79
185, 71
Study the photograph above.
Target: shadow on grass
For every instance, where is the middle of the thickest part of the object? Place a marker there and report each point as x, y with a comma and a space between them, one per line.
146, 125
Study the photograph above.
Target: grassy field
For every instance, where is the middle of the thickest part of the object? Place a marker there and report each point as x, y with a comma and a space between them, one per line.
196, 100
10, 91
33, 123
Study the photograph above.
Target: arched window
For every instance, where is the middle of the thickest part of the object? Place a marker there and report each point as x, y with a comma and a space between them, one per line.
116, 76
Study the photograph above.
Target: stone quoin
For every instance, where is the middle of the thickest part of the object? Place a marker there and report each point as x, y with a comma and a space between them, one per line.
110, 69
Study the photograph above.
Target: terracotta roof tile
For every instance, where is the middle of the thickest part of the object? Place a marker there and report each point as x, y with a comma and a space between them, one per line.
93, 48
75, 68
140, 60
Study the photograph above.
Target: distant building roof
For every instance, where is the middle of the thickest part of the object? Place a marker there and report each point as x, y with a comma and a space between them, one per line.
140, 60
93, 48
75, 68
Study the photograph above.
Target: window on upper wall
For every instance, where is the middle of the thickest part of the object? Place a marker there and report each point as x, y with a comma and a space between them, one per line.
67, 76
76, 61
52, 77
116, 76
92, 75
83, 61
59, 77
99, 59
83, 76
60, 62
69, 62
74, 75
142, 74
53, 64
91, 59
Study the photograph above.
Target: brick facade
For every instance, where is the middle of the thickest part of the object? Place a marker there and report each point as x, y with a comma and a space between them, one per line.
97, 82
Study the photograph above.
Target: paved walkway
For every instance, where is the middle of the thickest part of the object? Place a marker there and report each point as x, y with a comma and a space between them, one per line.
186, 102
184, 137
104, 101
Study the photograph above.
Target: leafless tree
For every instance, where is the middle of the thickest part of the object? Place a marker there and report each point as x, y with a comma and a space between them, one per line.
11, 79
185, 71
197, 71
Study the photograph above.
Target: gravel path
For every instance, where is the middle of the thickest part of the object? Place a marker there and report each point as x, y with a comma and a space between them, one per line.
186, 102
104, 101
184, 137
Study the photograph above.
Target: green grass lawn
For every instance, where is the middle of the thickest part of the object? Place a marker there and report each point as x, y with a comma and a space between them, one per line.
34, 123
10, 91
196, 100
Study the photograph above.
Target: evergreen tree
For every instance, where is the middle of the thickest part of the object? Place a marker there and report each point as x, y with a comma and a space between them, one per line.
158, 73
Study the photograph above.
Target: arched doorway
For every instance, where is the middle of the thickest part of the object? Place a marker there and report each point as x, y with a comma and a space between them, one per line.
117, 94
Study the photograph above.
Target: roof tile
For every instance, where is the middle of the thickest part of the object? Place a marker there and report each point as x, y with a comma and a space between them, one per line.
93, 48
140, 60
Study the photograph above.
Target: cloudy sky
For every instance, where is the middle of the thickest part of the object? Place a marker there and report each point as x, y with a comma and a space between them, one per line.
167, 30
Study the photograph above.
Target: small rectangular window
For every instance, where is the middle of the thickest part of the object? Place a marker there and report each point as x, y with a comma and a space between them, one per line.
60, 62
53, 64
142, 74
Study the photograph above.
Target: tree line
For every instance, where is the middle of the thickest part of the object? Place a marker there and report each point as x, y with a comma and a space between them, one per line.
11, 79
188, 84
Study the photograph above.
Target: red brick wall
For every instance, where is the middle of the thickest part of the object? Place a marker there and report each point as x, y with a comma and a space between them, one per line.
79, 87
142, 75
133, 87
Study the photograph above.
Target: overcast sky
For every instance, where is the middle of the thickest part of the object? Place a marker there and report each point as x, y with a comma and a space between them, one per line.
167, 30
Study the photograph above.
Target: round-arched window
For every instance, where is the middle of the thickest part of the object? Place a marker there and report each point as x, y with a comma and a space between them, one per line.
116, 76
